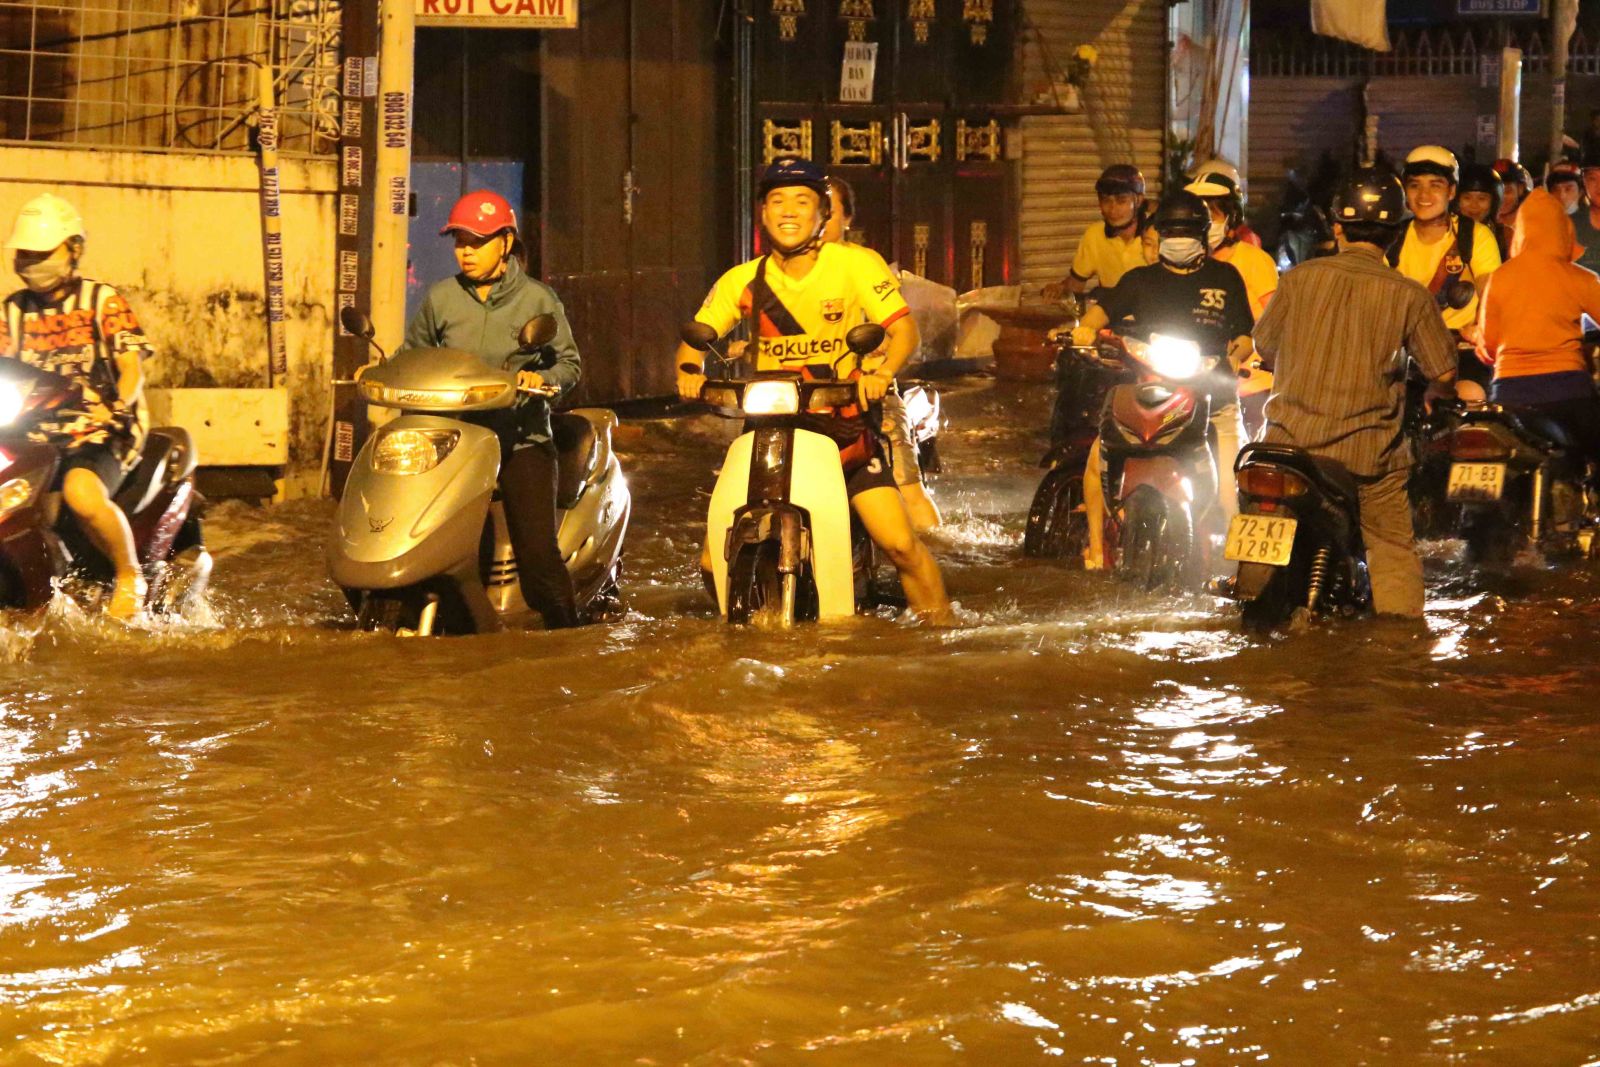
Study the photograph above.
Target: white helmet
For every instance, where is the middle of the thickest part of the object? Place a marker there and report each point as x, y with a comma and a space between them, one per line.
1223, 168
44, 223
1432, 159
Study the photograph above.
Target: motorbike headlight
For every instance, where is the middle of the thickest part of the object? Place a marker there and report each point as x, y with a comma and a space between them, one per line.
1174, 357
412, 451
13, 396
771, 398
15, 494
387, 396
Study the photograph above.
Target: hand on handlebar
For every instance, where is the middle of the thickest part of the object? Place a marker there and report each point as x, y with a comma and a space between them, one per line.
690, 379
532, 383
873, 387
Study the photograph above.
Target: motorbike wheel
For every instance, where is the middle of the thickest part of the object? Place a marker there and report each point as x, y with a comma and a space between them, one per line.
1155, 541
381, 611
1491, 540
928, 458
608, 604
1058, 527
755, 588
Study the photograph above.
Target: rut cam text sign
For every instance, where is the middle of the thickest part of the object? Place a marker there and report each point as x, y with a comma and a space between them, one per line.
499, 14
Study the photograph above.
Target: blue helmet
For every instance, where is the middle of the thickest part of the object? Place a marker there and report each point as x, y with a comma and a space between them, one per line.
794, 172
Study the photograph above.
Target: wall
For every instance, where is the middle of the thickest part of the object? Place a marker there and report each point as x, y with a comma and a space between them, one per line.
1123, 111
180, 235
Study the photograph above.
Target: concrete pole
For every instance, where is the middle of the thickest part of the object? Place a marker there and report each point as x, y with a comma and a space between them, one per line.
392, 181
1563, 20
1510, 126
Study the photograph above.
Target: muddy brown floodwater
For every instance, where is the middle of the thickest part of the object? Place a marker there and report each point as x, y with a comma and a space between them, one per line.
1085, 826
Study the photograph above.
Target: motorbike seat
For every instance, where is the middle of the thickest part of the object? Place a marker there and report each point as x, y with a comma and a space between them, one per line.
577, 455
1333, 478
1540, 429
168, 457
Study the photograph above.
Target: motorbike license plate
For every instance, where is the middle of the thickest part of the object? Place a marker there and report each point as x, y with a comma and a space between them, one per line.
1260, 539
1476, 481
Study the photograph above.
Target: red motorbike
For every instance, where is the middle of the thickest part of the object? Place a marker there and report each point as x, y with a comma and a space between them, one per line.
1157, 461
40, 542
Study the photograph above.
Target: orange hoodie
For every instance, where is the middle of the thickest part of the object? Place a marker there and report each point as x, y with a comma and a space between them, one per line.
1532, 307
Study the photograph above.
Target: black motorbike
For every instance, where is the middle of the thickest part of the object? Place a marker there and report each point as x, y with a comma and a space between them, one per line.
1519, 483
1058, 526
1297, 539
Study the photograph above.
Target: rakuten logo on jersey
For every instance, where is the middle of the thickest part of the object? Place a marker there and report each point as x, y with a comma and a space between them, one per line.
799, 349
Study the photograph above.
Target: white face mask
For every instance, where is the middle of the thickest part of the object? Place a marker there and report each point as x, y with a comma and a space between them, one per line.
1182, 251
45, 276
1216, 234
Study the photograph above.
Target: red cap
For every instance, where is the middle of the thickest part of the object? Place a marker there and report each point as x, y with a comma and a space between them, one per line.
482, 213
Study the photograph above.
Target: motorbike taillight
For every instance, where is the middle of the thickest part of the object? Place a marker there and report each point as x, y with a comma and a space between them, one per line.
1272, 483
1478, 444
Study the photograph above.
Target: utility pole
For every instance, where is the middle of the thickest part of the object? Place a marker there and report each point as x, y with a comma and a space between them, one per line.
1510, 124
392, 183
1563, 20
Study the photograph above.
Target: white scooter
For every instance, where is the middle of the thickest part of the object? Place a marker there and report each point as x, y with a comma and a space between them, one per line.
785, 545
421, 544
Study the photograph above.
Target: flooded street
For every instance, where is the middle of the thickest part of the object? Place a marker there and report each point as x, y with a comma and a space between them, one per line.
1085, 826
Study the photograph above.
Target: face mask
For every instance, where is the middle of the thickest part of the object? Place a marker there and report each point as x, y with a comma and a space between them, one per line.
46, 276
1182, 251
1572, 208
1216, 234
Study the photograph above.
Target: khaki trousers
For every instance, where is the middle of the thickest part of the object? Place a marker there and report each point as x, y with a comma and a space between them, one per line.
1392, 561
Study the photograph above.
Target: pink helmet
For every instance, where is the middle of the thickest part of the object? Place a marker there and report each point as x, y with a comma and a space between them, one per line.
482, 213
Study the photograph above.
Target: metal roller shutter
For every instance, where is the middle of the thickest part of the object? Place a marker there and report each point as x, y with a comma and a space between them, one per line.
1124, 108
1293, 121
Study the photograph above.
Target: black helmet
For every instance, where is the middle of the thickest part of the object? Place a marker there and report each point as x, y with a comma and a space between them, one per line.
1118, 179
1182, 213
1513, 173
802, 172
1481, 178
1564, 171
1371, 196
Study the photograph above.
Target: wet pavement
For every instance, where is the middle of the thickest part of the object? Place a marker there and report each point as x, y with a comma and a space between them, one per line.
1087, 825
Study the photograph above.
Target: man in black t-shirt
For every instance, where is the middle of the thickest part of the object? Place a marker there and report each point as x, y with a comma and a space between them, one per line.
1186, 294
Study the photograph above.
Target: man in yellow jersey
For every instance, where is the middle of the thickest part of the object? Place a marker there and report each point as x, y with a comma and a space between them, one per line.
802, 298
1218, 186
1444, 251
1111, 248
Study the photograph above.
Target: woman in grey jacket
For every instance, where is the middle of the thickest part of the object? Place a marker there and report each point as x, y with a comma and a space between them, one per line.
481, 310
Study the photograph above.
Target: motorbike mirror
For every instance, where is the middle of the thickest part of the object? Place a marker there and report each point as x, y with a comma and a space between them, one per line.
1458, 294
355, 322
866, 338
537, 331
697, 335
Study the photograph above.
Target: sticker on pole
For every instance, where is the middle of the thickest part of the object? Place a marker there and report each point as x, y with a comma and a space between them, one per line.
499, 14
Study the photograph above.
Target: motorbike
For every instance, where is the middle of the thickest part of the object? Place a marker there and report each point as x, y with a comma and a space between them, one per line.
1296, 539
1157, 429
421, 545
41, 542
1517, 484
925, 414
785, 545
1057, 523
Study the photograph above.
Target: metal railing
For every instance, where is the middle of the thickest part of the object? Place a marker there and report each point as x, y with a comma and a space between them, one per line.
177, 75
1421, 53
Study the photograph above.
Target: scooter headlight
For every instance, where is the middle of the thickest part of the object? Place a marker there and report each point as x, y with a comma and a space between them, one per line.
472, 396
772, 398
1174, 357
412, 451
13, 397
16, 493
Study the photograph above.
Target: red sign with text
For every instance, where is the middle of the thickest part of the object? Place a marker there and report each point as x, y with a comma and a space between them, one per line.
499, 14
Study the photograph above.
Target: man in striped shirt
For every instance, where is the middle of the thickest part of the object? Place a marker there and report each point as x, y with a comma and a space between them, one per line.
1337, 337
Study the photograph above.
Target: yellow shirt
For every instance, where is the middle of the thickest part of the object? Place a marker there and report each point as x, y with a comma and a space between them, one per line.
848, 284
1106, 258
1259, 270
1419, 262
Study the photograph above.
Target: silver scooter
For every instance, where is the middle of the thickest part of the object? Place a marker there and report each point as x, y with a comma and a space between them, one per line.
421, 544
